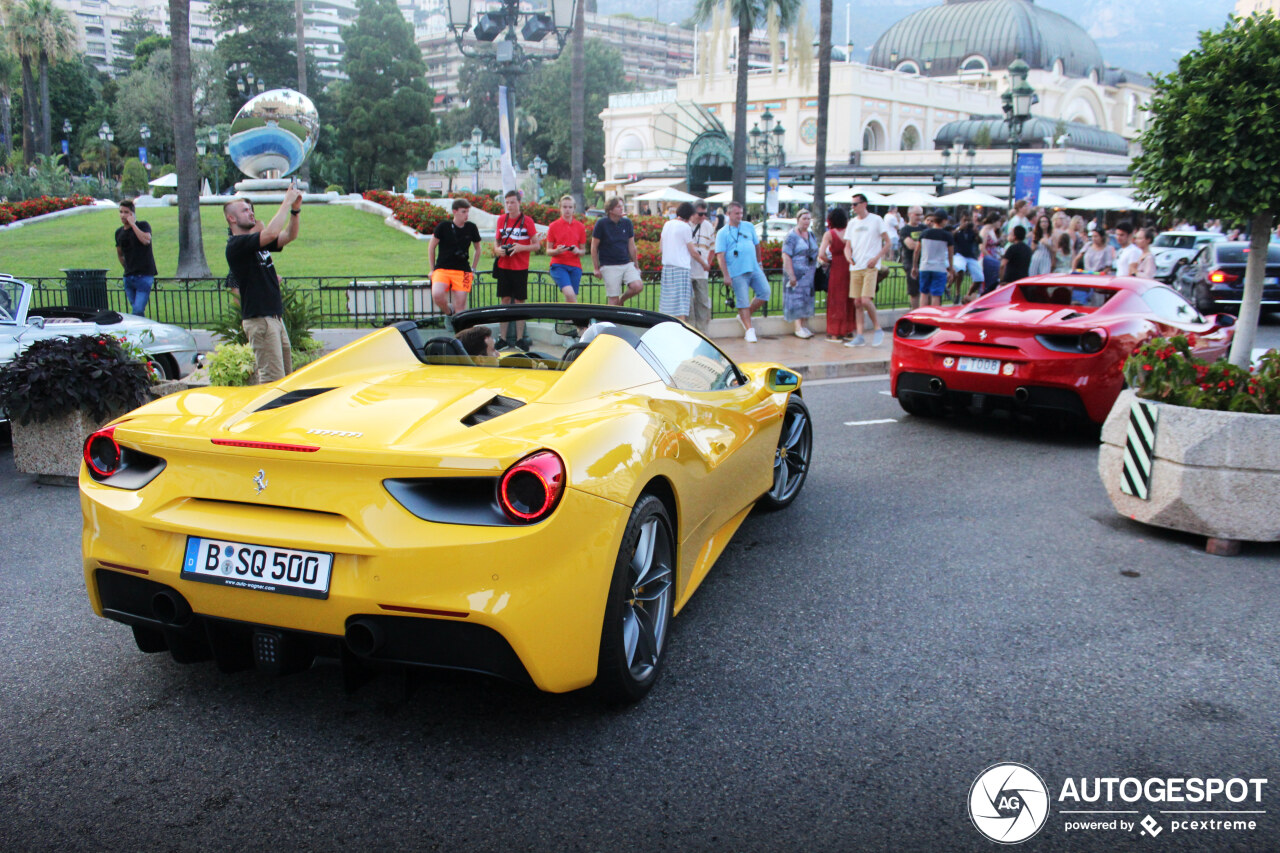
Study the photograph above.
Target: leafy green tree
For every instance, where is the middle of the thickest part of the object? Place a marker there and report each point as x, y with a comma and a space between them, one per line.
133, 181
136, 30
1209, 149
8, 69
257, 36
478, 87
548, 87
22, 34
747, 15
384, 109
146, 49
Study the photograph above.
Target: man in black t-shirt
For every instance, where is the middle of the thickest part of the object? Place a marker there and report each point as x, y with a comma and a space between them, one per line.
909, 237
256, 284
1016, 262
447, 260
133, 248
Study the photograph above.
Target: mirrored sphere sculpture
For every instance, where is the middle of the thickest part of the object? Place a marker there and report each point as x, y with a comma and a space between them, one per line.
273, 133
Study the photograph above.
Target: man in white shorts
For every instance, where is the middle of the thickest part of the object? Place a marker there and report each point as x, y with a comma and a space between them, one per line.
614, 256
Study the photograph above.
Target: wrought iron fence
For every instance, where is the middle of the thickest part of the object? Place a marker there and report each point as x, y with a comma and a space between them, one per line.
361, 301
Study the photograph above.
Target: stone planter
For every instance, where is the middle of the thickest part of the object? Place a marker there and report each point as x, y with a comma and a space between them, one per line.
1213, 473
53, 450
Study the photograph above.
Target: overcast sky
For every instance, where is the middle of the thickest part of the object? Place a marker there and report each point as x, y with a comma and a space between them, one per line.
1136, 34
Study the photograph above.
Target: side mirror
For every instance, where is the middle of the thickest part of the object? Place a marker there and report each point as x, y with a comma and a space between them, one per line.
1224, 321
37, 321
782, 380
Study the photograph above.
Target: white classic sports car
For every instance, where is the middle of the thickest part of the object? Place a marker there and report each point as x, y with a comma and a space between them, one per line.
172, 348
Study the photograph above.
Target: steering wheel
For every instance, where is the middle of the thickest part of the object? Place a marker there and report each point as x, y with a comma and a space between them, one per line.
534, 359
572, 353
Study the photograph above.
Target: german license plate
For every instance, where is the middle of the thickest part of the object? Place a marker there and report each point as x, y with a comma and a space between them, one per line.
259, 567
978, 365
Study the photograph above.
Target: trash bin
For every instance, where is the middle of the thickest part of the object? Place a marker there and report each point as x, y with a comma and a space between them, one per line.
87, 289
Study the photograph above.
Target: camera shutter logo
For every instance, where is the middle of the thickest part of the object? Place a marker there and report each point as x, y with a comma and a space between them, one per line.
1008, 802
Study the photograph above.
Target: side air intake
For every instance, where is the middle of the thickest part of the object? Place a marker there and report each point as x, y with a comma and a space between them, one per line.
291, 398
499, 405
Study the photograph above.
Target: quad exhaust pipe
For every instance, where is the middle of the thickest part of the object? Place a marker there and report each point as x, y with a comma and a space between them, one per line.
935, 385
170, 608
1021, 394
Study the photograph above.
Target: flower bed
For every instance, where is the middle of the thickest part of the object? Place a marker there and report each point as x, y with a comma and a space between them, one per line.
1165, 370
13, 211
421, 216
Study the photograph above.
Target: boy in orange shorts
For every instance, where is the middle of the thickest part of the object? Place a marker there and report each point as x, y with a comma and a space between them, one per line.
447, 257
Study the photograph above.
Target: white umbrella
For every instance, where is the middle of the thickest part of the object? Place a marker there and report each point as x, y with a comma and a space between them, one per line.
971, 197
1051, 199
1106, 200
753, 197
846, 195
667, 194
791, 195
169, 180
910, 198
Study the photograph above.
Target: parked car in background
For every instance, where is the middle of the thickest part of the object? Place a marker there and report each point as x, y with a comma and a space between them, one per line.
171, 348
1214, 279
775, 228
1174, 249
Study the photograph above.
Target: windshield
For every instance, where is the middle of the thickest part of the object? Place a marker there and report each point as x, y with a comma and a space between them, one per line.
10, 294
1077, 295
682, 357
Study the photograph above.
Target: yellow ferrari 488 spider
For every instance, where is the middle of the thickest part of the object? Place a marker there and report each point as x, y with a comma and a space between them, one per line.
431, 496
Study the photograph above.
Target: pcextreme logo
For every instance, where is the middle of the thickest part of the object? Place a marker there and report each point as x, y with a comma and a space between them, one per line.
1009, 803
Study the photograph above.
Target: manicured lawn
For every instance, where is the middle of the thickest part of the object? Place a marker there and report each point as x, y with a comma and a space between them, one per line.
333, 240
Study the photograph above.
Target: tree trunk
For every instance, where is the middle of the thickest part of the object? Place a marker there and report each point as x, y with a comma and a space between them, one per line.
6, 127
304, 173
29, 112
191, 260
740, 115
43, 140
824, 113
578, 106
1251, 303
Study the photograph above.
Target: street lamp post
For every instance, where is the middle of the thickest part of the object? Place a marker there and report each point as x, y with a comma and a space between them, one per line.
539, 169
107, 137
145, 133
477, 155
1017, 109
588, 180
249, 85
766, 145
508, 55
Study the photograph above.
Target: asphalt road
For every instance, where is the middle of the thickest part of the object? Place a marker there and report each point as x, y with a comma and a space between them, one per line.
944, 595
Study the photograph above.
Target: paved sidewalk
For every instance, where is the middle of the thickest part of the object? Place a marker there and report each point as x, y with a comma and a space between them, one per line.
813, 358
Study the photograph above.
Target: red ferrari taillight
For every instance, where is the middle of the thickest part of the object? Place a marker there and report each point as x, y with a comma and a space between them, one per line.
531, 489
101, 453
1222, 277
1093, 340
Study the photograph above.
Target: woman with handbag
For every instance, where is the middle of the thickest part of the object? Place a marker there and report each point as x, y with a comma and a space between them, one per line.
799, 260
839, 306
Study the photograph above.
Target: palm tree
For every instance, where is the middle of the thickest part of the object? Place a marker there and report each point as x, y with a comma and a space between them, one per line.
191, 260
824, 96
578, 104
7, 66
22, 34
57, 42
450, 172
747, 14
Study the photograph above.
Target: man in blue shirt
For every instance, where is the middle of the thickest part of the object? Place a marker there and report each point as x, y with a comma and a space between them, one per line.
738, 251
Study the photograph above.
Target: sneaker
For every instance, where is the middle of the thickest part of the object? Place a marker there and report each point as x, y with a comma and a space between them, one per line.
804, 334
858, 341
750, 336
878, 338
524, 343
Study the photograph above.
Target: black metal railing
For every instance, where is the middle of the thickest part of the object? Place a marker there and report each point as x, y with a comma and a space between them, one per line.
361, 301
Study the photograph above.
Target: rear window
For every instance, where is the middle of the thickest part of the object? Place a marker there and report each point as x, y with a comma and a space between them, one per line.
1175, 241
1080, 296
1238, 253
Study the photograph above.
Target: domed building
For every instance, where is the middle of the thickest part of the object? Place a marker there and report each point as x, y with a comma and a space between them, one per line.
924, 111
977, 36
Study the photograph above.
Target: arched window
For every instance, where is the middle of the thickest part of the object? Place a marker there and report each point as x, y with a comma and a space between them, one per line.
910, 138
630, 147
873, 137
908, 67
975, 65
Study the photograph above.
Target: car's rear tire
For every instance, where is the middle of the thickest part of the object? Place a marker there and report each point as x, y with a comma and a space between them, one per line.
792, 456
1204, 302
166, 366
637, 614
